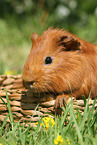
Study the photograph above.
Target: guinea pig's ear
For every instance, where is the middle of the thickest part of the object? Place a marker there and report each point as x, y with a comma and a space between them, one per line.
34, 36
68, 43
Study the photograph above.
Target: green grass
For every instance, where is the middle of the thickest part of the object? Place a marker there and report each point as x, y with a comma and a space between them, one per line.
15, 43
80, 129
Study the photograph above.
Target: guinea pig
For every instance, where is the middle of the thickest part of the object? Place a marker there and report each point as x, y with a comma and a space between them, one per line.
60, 63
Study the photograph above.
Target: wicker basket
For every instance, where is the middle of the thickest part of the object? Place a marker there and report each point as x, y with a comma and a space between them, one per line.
23, 103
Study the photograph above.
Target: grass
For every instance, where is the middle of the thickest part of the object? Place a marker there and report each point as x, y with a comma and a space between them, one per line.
15, 42
80, 129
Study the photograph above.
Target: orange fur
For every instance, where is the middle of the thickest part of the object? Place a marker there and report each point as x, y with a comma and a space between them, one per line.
74, 64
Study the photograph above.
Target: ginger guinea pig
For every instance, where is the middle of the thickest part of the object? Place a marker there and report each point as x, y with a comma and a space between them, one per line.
60, 62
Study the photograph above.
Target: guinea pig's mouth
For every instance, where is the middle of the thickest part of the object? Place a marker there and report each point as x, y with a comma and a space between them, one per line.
29, 86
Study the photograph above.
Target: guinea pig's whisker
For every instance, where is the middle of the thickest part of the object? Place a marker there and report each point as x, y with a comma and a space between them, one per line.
38, 93
40, 90
51, 89
44, 93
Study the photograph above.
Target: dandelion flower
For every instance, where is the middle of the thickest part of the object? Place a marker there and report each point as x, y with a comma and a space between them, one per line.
9, 72
47, 121
59, 140
41, 124
36, 123
68, 141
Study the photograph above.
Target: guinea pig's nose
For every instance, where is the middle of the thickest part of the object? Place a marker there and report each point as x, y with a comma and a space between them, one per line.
31, 84
28, 84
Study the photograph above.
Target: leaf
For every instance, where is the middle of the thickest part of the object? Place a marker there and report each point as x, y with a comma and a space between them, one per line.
12, 139
3, 141
9, 108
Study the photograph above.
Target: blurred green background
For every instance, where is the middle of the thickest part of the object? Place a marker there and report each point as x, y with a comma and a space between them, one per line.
19, 18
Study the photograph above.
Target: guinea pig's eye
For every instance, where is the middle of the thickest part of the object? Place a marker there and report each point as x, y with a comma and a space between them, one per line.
48, 60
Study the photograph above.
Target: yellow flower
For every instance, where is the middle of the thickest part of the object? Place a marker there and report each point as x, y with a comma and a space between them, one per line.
41, 124
36, 123
59, 140
68, 141
9, 72
47, 121
1, 144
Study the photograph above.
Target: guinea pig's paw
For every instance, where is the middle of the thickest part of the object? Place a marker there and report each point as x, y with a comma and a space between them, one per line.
60, 101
